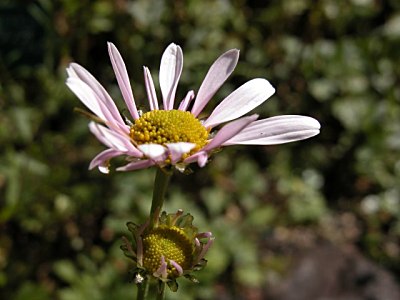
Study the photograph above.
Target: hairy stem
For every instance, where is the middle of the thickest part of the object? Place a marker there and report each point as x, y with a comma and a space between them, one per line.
160, 186
143, 289
161, 292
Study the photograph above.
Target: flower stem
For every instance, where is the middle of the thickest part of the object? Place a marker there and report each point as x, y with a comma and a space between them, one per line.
160, 186
143, 290
161, 293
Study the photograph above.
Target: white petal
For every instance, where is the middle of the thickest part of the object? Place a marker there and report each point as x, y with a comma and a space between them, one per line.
216, 76
151, 91
177, 267
162, 270
71, 73
170, 72
101, 160
276, 130
86, 95
108, 107
136, 165
205, 248
228, 131
203, 235
176, 150
123, 79
185, 102
113, 139
202, 159
241, 101
153, 151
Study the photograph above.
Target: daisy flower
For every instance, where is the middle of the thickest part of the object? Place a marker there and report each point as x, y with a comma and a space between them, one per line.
171, 134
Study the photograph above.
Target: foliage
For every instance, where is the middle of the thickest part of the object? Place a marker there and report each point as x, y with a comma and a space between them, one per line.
334, 60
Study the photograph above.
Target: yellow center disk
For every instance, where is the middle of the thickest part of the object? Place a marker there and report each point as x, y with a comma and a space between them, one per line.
169, 126
170, 242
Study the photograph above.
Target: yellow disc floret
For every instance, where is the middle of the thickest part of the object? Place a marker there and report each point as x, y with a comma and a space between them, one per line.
169, 126
170, 242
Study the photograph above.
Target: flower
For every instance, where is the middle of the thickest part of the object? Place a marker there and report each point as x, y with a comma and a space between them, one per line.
170, 249
175, 135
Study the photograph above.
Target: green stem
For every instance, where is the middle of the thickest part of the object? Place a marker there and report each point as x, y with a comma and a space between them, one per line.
161, 292
160, 186
143, 290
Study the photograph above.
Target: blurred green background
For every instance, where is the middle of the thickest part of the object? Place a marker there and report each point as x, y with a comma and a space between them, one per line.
269, 207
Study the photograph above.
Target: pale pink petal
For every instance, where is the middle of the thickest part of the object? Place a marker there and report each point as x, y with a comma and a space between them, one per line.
108, 106
104, 169
102, 160
216, 76
86, 95
205, 249
114, 140
201, 157
185, 102
276, 130
153, 151
139, 242
224, 134
176, 266
151, 91
107, 137
123, 79
241, 101
162, 270
228, 131
203, 235
176, 150
136, 165
170, 72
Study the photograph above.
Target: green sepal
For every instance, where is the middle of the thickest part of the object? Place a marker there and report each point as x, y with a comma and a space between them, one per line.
184, 168
163, 218
192, 278
200, 265
188, 171
132, 227
185, 221
191, 231
173, 285
126, 247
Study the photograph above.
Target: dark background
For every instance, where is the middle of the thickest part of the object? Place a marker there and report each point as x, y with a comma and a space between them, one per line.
318, 219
